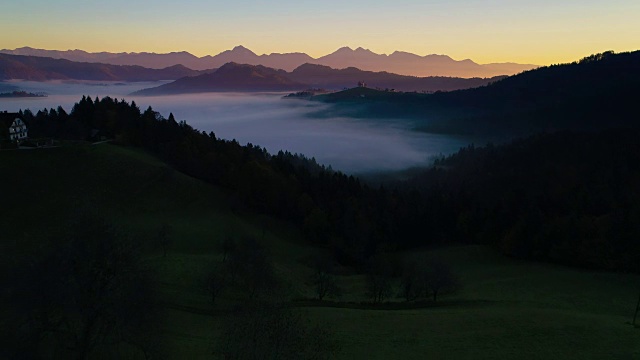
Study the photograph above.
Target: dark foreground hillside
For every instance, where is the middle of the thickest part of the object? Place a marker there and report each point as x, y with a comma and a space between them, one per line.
566, 197
171, 230
171, 241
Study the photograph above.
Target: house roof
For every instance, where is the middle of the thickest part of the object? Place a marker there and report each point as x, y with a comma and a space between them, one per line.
7, 118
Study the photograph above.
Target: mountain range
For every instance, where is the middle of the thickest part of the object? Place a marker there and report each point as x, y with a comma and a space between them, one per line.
398, 62
243, 77
229, 77
36, 68
320, 76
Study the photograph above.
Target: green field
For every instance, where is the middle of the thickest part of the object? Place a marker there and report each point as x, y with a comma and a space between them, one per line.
504, 309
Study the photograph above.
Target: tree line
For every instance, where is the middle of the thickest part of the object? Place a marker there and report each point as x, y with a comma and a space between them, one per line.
333, 209
566, 197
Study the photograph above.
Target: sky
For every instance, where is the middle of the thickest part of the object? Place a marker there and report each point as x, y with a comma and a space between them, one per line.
525, 31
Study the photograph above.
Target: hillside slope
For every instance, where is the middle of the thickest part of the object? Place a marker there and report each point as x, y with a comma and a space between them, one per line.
134, 190
596, 92
319, 76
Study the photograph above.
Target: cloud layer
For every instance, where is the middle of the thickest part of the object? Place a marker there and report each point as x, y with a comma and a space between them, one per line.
349, 145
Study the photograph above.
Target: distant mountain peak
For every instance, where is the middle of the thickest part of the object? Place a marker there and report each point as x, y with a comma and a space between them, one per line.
242, 50
343, 50
403, 54
399, 62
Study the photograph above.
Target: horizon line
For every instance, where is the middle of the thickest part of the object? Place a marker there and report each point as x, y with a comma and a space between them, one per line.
272, 53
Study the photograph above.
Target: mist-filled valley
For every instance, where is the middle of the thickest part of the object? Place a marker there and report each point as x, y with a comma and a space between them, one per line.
346, 144
293, 180
139, 229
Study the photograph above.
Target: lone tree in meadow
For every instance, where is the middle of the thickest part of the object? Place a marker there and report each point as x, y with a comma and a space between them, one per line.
379, 280
215, 282
323, 279
163, 238
424, 278
412, 284
439, 278
249, 267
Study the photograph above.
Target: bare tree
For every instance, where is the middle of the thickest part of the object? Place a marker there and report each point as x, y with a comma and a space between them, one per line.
251, 267
425, 278
163, 237
379, 280
323, 278
411, 283
438, 277
215, 282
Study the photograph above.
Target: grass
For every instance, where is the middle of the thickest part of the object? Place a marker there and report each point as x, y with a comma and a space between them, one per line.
529, 311
126, 186
504, 309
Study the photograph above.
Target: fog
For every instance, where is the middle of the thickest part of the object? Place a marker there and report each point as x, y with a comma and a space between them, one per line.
351, 145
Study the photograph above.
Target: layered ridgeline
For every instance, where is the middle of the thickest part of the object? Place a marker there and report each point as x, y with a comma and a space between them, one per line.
42, 69
596, 92
243, 77
567, 197
398, 62
230, 77
320, 76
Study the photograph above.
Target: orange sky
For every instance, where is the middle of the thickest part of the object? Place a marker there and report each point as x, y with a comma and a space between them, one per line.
541, 32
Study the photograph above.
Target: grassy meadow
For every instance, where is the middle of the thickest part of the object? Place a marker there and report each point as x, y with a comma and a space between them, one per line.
503, 309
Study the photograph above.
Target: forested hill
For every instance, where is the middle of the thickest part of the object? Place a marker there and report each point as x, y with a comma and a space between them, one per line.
319, 76
566, 197
242, 77
331, 209
599, 91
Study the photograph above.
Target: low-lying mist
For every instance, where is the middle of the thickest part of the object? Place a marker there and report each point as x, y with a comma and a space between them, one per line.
350, 145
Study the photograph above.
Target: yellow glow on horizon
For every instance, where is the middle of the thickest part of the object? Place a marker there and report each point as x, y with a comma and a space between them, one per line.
535, 33
543, 54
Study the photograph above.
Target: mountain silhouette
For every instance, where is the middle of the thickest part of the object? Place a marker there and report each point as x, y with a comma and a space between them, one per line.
321, 76
43, 68
229, 77
245, 77
398, 62
593, 93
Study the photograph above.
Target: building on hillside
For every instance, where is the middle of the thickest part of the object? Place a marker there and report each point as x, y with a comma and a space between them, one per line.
12, 127
362, 84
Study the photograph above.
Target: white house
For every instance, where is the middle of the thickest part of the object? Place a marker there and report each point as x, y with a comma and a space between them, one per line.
13, 128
